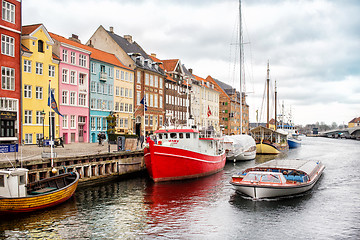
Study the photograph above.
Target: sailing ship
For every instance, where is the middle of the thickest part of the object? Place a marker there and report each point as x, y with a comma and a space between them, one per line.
240, 147
269, 141
17, 195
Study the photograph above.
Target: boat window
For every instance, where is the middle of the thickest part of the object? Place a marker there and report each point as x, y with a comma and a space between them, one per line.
160, 136
173, 135
252, 177
2, 181
187, 135
181, 135
22, 179
165, 136
270, 178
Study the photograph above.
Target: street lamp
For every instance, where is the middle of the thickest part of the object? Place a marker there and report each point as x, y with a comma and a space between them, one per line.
43, 118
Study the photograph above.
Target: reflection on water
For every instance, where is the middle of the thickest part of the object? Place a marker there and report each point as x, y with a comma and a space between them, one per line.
209, 208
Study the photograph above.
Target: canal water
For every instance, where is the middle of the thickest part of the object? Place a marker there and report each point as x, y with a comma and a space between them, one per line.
209, 208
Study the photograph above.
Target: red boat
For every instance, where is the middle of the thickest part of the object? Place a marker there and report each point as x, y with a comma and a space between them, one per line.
183, 154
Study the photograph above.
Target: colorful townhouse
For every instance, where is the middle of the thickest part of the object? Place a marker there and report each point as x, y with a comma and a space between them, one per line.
148, 77
10, 60
124, 99
73, 88
39, 66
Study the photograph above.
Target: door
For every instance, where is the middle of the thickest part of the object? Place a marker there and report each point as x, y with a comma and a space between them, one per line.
81, 133
72, 137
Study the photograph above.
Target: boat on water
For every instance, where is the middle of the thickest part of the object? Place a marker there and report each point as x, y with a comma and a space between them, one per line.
17, 195
183, 154
239, 147
293, 140
269, 141
278, 178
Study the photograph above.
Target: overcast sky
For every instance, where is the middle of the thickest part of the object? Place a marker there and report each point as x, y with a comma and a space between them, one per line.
313, 46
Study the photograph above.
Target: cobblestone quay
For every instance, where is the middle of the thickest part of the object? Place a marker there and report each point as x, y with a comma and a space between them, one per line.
94, 162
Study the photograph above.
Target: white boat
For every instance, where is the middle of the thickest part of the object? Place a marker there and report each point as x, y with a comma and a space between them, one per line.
278, 178
239, 147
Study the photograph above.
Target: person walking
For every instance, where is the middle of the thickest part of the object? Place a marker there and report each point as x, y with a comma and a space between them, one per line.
99, 138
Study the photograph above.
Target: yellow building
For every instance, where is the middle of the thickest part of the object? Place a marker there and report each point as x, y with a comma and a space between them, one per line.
124, 99
39, 66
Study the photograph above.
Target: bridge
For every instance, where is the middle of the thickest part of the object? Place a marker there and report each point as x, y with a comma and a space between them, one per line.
351, 133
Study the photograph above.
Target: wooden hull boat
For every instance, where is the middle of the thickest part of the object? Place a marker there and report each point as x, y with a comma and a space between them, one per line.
269, 141
278, 178
41, 194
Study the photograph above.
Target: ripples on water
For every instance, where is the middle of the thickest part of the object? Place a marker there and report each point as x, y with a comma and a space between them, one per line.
208, 208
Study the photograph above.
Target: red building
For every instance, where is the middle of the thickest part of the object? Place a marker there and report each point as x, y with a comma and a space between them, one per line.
10, 90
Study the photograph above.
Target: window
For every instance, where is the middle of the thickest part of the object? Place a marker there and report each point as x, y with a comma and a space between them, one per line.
117, 91
125, 123
126, 92
98, 123
28, 138
82, 99
138, 97
122, 75
64, 55
27, 117
51, 71
105, 88
92, 67
82, 79
151, 80
99, 88
82, 60
117, 74
126, 76
27, 91
92, 103
65, 76
151, 120
155, 100
122, 92
39, 136
130, 93
138, 75
146, 79
65, 121
39, 117
40, 46
72, 57
93, 86
98, 103
160, 83
160, 101
160, 120
130, 108
65, 97
72, 121
39, 93
151, 100
72, 77
146, 120
121, 122
111, 90
72, 98
39, 68
126, 107
117, 106
8, 12
110, 72
131, 77
27, 66
121, 107
92, 123
7, 45
156, 83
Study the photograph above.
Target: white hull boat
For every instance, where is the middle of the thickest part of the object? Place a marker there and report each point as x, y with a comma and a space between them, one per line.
278, 178
239, 147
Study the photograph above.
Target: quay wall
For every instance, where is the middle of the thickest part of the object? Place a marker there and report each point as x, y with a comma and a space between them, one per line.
92, 168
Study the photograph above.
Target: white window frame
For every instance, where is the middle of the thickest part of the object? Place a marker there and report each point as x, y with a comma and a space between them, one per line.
82, 60
117, 91
146, 79
28, 138
117, 74
27, 117
72, 121
8, 79
27, 66
138, 75
82, 99
93, 86
65, 75
39, 68
73, 75
65, 123
8, 11
38, 92
7, 45
27, 91
138, 98
64, 55
93, 68
72, 57
51, 71
82, 79
65, 96
72, 98
39, 117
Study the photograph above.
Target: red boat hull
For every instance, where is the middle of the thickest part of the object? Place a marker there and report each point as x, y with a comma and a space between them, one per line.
168, 163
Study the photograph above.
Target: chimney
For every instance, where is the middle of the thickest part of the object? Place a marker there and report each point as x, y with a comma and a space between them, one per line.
128, 38
90, 44
112, 29
153, 55
75, 38
190, 70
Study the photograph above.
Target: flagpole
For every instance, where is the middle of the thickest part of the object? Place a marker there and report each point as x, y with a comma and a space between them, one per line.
144, 112
51, 133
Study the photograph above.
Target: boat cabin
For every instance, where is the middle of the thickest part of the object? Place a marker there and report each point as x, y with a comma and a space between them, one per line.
264, 177
13, 182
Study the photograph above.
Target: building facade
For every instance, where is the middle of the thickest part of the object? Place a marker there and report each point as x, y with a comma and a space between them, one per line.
10, 60
39, 66
148, 77
73, 88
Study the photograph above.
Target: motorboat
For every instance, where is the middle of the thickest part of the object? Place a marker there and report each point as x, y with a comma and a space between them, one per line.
184, 153
17, 195
239, 147
278, 178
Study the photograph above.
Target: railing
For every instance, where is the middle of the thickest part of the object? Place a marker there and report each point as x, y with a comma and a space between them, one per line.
103, 76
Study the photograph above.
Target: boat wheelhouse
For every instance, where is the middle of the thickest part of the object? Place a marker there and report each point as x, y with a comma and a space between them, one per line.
278, 178
269, 141
178, 154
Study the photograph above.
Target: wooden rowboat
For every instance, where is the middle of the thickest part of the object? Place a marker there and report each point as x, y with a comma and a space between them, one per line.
18, 196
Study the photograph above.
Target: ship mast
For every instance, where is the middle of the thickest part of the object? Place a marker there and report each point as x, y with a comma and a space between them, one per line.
267, 95
275, 106
241, 62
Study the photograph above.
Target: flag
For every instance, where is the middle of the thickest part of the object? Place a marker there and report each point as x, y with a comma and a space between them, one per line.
209, 112
143, 101
52, 103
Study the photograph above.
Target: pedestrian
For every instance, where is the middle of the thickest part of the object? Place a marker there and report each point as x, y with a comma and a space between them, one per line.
99, 138
141, 140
